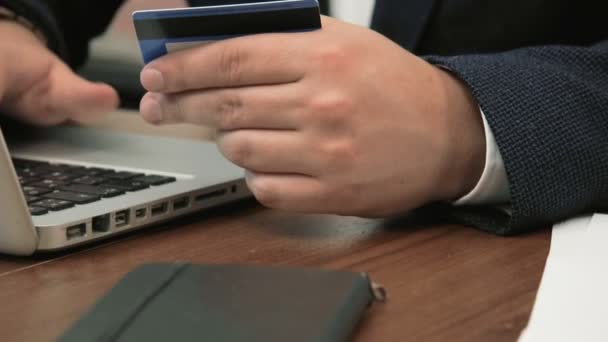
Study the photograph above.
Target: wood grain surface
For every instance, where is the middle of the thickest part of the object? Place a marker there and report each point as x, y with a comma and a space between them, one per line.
445, 282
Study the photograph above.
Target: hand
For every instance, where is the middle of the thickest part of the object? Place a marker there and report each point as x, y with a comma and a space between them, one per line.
37, 87
339, 120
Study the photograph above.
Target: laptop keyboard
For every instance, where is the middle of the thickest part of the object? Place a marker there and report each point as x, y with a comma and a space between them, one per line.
53, 187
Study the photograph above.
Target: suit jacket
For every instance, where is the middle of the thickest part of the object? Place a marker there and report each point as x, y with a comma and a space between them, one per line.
538, 68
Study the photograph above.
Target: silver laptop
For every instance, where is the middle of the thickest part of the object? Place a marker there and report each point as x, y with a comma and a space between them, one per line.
66, 186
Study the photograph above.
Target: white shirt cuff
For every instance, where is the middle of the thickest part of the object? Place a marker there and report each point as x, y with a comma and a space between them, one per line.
493, 185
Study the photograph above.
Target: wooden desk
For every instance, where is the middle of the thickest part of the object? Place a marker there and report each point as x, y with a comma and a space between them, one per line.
445, 282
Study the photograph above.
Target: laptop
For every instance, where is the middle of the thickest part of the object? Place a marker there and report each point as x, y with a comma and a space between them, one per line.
62, 187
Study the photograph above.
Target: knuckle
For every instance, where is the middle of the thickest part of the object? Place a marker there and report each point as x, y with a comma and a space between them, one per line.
340, 155
229, 110
337, 103
331, 109
356, 196
237, 150
170, 105
175, 75
230, 65
264, 192
334, 56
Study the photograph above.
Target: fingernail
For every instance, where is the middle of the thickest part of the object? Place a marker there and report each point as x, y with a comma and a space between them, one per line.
152, 79
150, 108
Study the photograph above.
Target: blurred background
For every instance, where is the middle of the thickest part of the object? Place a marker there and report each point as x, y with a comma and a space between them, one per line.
115, 56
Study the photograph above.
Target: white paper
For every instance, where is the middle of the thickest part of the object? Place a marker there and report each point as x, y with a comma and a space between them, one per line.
572, 300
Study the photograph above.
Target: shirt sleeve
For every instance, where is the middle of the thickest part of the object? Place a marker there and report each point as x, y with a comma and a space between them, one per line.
67, 25
493, 185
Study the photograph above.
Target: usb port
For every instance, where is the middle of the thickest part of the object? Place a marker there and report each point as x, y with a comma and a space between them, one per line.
140, 213
159, 209
121, 218
181, 203
101, 223
76, 231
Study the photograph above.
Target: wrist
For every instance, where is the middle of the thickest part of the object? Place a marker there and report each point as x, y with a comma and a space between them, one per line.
8, 15
465, 138
18, 32
22, 41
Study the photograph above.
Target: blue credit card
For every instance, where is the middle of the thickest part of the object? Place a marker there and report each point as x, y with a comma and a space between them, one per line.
162, 31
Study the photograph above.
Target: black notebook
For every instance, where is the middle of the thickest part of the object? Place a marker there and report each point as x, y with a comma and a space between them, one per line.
228, 303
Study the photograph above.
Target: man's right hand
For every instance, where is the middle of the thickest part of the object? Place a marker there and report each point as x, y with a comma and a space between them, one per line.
37, 87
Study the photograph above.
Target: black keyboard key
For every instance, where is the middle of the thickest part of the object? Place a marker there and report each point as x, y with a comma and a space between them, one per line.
93, 190
29, 173
78, 198
53, 204
32, 199
155, 180
60, 172
96, 171
49, 184
37, 211
62, 176
122, 175
58, 167
42, 168
78, 172
35, 191
127, 185
24, 163
88, 180
70, 167
47, 169
28, 180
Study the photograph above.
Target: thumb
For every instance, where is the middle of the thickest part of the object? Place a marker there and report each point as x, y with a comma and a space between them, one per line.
63, 95
80, 100
36, 86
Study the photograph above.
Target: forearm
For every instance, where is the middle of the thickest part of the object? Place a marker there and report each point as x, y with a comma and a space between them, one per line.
9, 57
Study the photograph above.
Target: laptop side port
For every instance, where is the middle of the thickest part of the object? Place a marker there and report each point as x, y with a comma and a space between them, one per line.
121, 218
76, 231
141, 213
158, 209
181, 203
101, 223
209, 195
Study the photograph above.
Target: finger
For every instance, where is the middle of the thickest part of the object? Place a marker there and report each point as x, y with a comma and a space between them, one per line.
295, 193
243, 61
270, 151
262, 107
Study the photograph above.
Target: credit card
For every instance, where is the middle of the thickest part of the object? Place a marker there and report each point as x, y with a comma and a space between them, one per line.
165, 30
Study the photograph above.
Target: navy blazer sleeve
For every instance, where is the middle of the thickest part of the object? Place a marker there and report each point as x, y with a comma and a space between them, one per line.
548, 108
68, 25
76, 23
